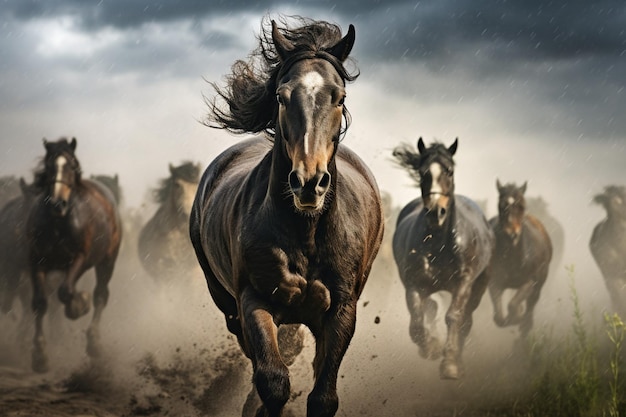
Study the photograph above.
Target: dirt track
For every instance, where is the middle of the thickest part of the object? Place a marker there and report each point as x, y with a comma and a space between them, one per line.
168, 354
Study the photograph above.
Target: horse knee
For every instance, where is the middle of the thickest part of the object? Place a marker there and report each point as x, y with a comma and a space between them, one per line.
273, 386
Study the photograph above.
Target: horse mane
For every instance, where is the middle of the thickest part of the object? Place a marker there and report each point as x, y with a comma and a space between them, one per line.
250, 92
408, 157
112, 184
40, 173
187, 171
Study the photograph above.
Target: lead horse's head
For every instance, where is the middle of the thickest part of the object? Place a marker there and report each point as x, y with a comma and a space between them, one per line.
59, 175
310, 92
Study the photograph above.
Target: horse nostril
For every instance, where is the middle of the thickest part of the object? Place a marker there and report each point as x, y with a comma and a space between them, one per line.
294, 181
324, 181
442, 212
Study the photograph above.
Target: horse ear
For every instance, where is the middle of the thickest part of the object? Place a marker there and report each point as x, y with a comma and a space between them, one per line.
453, 147
282, 44
23, 185
420, 145
73, 144
523, 187
117, 179
342, 49
45, 143
171, 168
498, 185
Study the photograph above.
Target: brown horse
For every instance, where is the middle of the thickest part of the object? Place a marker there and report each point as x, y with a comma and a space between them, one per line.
442, 242
163, 245
521, 260
286, 227
608, 245
73, 226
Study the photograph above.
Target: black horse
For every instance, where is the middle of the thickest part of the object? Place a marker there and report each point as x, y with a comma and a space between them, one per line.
521, 260
14, 253
442, 243
286, 227
73, 226
608, 245
164, 248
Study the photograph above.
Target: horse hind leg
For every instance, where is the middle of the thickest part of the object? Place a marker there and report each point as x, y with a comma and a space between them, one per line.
429, 346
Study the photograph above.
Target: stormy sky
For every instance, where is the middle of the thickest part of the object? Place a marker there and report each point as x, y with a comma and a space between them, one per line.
534, 90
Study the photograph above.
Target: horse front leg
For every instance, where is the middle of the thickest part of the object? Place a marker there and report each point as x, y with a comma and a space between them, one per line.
451, 366
40, 306
270, 374
527, 321
331, 343
516, 305
76, 304
104, 272
429, 346
496, 292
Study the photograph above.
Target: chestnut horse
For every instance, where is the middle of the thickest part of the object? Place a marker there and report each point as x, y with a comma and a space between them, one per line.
73, 226
286, 227
442, 242
521, 260
608, 245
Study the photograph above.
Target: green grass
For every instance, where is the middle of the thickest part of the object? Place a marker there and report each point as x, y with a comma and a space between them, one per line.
578, 374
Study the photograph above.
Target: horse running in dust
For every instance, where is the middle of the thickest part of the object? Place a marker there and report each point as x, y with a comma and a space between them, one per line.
521, 260
163, 246
14, 254
73, 226
442, 242
608, 245
286, 226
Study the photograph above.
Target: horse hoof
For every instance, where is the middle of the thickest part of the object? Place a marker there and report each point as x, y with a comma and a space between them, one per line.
450, 370
40, 362
319, 295
78, 306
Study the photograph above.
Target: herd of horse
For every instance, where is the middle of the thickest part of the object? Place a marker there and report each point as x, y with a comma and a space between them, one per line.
286, 226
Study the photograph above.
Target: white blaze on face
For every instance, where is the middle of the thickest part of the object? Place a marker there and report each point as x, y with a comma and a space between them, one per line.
58, 184
435, 172
312, 83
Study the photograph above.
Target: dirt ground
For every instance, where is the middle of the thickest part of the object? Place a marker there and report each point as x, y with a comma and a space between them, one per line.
169, 354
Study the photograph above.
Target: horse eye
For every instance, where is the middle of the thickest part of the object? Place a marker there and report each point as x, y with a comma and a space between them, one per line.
341, 101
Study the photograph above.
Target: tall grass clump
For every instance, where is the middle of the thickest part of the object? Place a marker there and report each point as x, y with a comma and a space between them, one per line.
565, 380
616, 330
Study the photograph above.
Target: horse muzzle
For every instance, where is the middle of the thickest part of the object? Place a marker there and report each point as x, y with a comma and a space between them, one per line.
436, 206
309, 195
60, 207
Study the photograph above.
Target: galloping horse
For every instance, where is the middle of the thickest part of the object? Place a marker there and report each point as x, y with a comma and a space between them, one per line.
73, 226
608, 245
521, 260
442, 243
286, 227
14, 250
163, 247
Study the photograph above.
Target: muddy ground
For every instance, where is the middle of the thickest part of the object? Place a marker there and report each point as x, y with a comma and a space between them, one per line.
168, 354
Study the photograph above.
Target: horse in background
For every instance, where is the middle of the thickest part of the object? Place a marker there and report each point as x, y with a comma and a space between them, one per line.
9, 189
14, 254
442, 242
538, 208
164, 247
608, 245
73, 226
521, 260
112, 183
286, 226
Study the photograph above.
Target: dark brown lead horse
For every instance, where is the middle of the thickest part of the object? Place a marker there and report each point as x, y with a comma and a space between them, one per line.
73, 226
521, 260
286, 228
442, 242
608, 245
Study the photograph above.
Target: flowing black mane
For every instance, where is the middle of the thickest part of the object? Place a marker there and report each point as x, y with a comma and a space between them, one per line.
409, 158
187, 171
250, 93
54, 149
